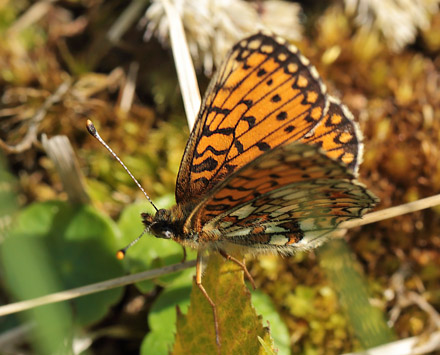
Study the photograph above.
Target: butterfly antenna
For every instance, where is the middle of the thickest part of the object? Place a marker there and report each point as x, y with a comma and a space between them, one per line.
121, 252
92, 130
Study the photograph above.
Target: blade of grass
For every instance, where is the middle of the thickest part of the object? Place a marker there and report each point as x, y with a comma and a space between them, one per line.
368, 322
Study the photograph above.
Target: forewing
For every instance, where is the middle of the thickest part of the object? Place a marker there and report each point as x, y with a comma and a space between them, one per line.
338, 135
287, 197
266, 94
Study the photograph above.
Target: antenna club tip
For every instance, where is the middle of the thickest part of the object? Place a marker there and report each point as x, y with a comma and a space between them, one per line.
120, 254
91, 128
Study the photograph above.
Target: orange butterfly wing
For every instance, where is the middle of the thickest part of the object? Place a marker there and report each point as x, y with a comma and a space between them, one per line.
338, 135
292, 193
264, 95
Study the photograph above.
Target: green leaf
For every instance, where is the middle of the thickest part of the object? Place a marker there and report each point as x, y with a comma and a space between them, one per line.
162, 316
150, 252
239, 324
29, 273
264, 306
75, 247
266, 346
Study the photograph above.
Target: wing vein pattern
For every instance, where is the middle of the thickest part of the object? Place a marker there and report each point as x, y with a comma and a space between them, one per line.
272, 160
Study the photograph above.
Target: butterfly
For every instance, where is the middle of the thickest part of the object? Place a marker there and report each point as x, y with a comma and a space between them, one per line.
271, 162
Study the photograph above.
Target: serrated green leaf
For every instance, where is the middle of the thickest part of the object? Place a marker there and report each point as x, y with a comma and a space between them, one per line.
239, 324
266, 346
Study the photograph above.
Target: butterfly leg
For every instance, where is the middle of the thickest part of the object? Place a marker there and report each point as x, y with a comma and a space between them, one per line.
211, 302
241, 264
184, 254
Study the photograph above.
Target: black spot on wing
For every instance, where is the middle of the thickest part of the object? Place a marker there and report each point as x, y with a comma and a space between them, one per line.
223, 111
202, 180
276, 98
250, 120
264, 147
219, 207
212, 150
261, 72
226, 131
282, 116
209, 164
248, 103
239, 146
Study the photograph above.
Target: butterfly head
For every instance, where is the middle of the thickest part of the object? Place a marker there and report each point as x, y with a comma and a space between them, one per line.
160, 225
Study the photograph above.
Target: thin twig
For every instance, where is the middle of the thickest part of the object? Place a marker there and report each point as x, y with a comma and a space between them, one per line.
14, 336
393, 212
421, 344
31, 134
93, 288
125, 21
424, 305
32, 15
61, 153
129, 87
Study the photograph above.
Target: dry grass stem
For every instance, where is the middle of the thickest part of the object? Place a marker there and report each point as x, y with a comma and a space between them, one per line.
184, 65
31, 135
93, 288
392, 212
